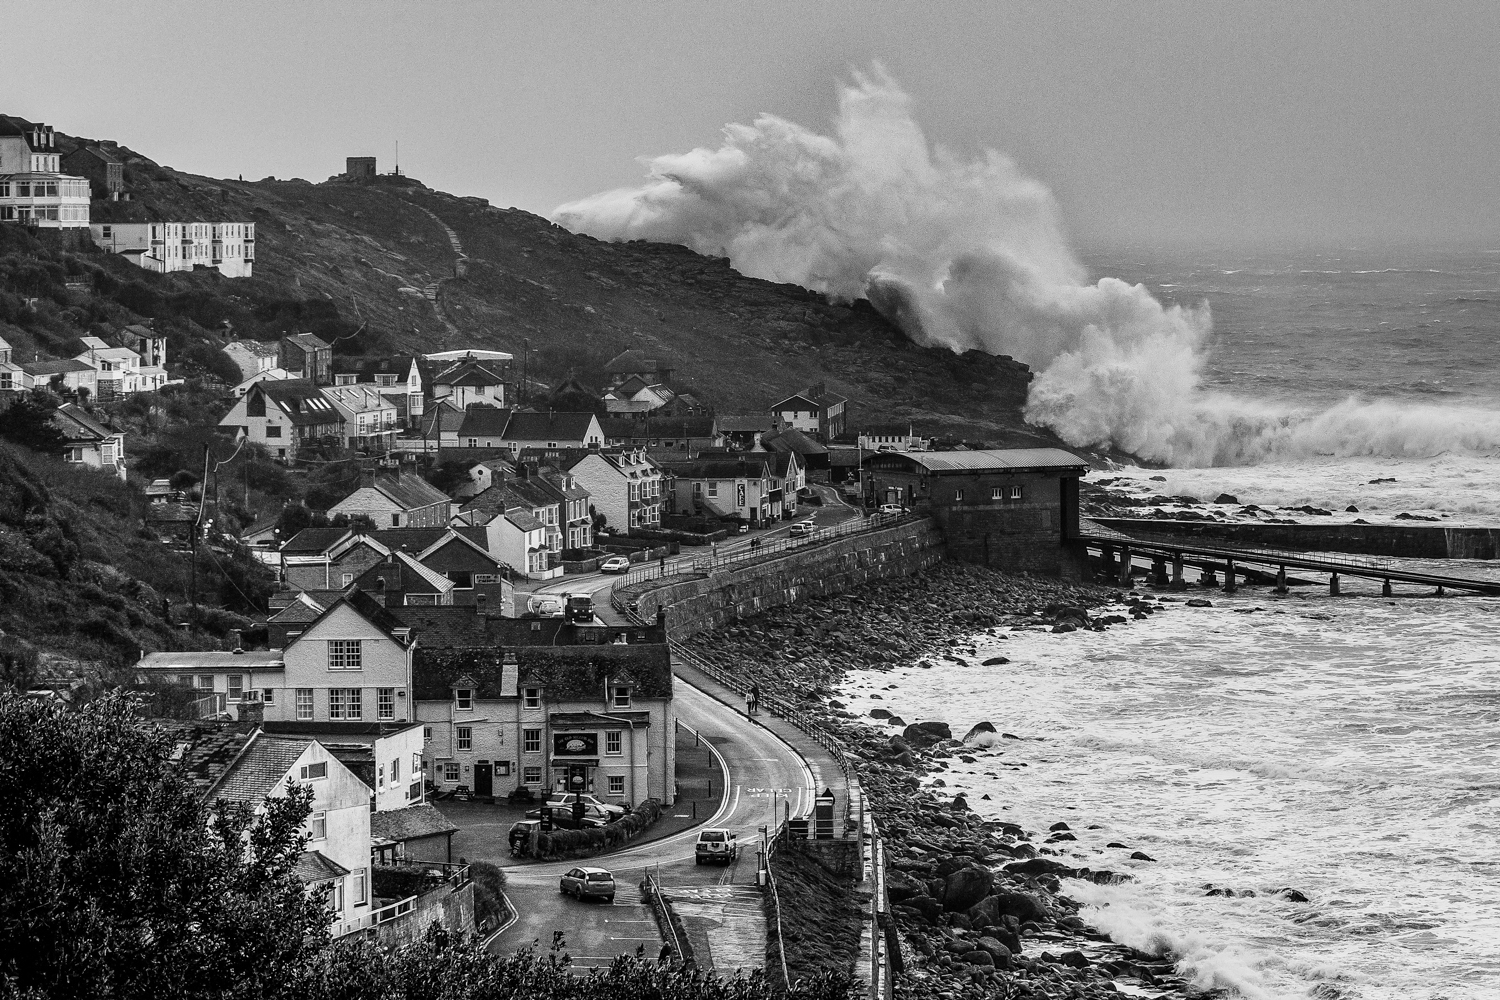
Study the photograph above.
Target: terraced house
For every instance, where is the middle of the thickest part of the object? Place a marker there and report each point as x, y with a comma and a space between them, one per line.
544, 704
33, 191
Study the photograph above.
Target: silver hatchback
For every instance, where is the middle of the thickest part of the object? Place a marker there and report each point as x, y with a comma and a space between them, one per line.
597, 883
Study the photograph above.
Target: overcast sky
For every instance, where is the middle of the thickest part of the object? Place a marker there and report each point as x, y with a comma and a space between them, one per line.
1153, 123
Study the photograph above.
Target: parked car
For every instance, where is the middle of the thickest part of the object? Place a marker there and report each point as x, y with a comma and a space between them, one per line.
568, 798
615, 564
892, 508
716, 845
547, 605
596, 883
562, 817
520, 836
802, 528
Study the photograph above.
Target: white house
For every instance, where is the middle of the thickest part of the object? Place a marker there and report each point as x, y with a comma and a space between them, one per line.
32, 191
471, 381
397, 500
283, 416
369, 418
88, 442
552, 431
737, 485
228, 247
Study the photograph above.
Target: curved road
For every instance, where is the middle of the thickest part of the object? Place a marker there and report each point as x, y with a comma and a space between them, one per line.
720, 905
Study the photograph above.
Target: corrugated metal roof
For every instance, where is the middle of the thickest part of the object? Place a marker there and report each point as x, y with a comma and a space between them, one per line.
999, 458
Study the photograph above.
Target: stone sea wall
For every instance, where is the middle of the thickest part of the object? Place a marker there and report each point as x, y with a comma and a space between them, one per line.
696, 603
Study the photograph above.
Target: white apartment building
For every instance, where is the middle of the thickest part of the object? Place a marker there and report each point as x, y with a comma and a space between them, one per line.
32, 190
181, 246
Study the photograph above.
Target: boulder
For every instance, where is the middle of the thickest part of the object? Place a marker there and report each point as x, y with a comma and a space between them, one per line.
1226, 498
925, 734
901, 886
1140, 856
965, 887
1199, 602
895, 720
928, 907
880, 713
1074, 960
983, 726
1020, 905
1291, 895
978, 957
996, 661
997, 949
1055, 827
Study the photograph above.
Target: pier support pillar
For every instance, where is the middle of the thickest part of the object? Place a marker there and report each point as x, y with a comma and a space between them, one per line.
1125, 567
1281, 580
1107, 562
1159, 571
1385, 589
1209, 578
1333, 584
1439, 591
1229, 586
1178, 583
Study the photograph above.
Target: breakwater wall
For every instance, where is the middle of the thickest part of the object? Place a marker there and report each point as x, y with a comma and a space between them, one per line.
1424, 541
699, 602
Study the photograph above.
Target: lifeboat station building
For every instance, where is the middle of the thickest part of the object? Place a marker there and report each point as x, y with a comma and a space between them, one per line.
1015, 509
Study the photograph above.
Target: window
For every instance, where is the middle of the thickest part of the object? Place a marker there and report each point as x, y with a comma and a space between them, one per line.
998, 493
426, 733
344, 654
343, 703
395, 770
304, 704
531, 776
317, 824
359, 887
713, 490
465, 699
312, 772
466, 737
385, 703
450, 772
236, 687
1013, 493
531, 740
462, 579
268, 695
335, 897
345, 579
532, 697
622, 697
395, 520
381, 778
205, 682
617, 784
612, 743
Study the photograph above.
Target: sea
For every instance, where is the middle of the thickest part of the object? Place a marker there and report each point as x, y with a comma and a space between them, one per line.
1346, 747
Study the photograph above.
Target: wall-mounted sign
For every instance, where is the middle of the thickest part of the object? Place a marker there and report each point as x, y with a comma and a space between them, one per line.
740, 496
575, 744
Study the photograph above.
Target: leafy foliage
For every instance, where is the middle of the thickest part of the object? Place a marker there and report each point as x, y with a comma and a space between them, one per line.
28, 422
116, 880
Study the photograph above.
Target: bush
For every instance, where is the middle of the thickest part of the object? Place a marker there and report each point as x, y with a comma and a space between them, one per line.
489, 893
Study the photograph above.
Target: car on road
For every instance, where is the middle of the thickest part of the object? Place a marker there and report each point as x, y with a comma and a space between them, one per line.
892, 508
716, 845
615, 564
568, 798
593, 883
801, 529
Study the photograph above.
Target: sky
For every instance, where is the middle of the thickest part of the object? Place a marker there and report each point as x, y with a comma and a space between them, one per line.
1153, 123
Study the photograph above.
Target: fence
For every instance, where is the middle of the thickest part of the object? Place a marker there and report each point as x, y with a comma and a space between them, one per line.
663, 911
1207, 546
764, 551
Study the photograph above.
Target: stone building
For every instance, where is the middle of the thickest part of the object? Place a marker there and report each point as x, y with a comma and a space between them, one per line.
1014, 509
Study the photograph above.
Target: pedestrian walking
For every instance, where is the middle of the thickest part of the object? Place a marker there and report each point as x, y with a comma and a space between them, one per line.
664, 956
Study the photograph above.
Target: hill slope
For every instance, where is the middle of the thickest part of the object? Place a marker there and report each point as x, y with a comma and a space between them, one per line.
370, 250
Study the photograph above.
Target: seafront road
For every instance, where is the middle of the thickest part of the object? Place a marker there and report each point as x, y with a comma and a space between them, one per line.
719, 905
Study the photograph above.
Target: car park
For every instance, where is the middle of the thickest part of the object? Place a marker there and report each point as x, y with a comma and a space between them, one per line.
716, 845
568, 798
801, 529
590, 883
615, 564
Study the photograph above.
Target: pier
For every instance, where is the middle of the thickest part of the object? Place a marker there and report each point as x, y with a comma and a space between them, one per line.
1169, 556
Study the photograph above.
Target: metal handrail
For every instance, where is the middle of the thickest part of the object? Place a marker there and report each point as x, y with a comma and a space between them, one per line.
1258, 553
786, 976
655, 885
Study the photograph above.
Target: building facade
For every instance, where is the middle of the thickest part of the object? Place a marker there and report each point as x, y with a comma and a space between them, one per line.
33, 190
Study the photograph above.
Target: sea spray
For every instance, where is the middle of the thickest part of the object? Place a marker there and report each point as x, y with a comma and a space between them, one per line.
970, 253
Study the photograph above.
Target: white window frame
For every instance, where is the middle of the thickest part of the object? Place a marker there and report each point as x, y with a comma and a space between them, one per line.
385, 703
348, 705
620, 696
614, 744
531, 741
451, 772
531, 698
317, 826
463, 699
463, 738
616, 784
345, 654
531, 774
306, 709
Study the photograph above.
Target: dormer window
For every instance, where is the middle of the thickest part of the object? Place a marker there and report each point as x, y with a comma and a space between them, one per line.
464, 698
531, 698
621, 696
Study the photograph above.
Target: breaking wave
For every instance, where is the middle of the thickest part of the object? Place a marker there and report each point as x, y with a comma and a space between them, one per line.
970, 253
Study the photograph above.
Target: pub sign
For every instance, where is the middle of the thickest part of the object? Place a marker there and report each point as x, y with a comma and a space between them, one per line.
575, 744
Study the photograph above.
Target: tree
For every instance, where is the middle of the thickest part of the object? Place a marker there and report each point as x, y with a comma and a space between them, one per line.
28, 422
117, 880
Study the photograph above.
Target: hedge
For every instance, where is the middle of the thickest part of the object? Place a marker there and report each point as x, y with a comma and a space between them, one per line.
584, 843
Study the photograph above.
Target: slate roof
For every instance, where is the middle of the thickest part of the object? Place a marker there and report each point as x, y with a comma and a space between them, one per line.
78, 425
260, 769
791, 439
406, 576
312, 541
483, 421
38, 369
416, 540
410, 492
302, 610
308, 341
524, 519
739, 467
314, 866
368, 608
398, 365
741, 423
441, 416
203, 751
469, 372
300, 399
444, 627
998, 459
551, 426
190, 661
420, 820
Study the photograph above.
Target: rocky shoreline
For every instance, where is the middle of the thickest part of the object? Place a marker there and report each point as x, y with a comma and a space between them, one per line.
980, 904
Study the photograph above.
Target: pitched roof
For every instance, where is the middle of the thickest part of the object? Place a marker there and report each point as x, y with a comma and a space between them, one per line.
418, 540
77, 425
301, 611
420, 820
524, 519
260, 769
203, 751
549, 426
307, 341
791, 439
1007, 459
738, 467
360, 397
469, 372
314, 866
367, 608
49, 368
313, 541
440, 627
572, 671
299, 399
484, 421
409, 578
395, 364
410, 492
